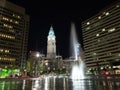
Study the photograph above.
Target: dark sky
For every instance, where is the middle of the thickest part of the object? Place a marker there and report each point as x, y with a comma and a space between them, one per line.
59, 14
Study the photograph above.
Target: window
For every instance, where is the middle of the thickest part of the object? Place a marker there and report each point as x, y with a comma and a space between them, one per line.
103, 29
88, 23
97, 35
99, 17
107, 13
111, 30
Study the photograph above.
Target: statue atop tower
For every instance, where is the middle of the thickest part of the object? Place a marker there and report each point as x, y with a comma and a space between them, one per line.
51, 44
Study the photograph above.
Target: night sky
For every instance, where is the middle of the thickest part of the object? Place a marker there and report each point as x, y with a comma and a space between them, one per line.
59, 14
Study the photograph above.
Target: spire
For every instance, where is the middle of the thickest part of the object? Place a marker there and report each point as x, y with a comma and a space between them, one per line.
51, 28
51, 44
51, 32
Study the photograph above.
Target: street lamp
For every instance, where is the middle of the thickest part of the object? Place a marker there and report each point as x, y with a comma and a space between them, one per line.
37, 62
37, 55
46, 63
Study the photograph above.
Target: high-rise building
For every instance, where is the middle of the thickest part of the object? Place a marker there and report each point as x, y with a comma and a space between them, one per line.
14, 27
51, 44
101, 38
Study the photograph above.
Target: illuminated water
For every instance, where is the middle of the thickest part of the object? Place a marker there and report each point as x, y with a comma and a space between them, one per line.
77, 74
61, 83
78, 66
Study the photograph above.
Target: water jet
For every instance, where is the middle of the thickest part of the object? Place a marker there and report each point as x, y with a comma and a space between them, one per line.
78, 67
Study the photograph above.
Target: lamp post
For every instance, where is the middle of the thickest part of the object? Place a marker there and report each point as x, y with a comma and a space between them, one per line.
37, 55
46, 67
37, 63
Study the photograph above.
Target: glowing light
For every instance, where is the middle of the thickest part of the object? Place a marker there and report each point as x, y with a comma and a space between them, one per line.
99, 17
107, 13
117, 6
88, 23
46, 63
103, 29
37, 55
97, 35
111, 30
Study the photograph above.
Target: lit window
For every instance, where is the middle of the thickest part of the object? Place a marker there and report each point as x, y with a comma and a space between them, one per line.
98, 40
11, 31
9, 26
103, 29
7, 36
7, 19
107, 13
94, 53
97, 35
3, 18
1, 50
87, 28
16, 22
6, 51
4, 25
99, 17
117, 60
119, 54
88, 23
117, 6
11, 20
104, 12
111, 30
18, 17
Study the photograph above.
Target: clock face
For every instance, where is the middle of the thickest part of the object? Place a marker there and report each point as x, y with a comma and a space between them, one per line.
51, 33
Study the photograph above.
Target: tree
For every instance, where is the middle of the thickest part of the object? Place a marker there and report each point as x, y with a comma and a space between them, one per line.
28, 66
41, 67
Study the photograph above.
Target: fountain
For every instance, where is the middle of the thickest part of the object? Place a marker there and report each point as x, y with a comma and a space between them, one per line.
78, 67
77, 74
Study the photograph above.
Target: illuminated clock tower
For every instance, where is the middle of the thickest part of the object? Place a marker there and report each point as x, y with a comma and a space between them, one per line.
51, 44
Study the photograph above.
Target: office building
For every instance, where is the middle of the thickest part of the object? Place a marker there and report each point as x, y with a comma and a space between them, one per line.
101, 39
14, 27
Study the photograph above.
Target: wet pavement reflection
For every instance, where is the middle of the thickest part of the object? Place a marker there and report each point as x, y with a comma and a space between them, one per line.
59, 83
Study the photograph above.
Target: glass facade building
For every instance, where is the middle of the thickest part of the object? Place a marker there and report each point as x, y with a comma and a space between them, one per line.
14, 28
101, 38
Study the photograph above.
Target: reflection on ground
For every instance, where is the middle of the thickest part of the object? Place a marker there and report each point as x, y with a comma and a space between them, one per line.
60, 83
